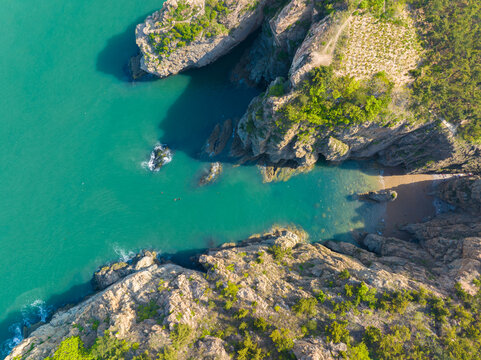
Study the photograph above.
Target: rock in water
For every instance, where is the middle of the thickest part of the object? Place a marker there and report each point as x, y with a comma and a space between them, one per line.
160, 156
218, 138
381, 196
134, 66
214, 171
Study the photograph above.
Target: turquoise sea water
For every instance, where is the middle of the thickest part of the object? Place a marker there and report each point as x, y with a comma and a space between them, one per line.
73, 135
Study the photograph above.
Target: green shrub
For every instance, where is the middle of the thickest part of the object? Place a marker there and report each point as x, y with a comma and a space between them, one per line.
358, 352
278, 89
344, 274
438, 309
364, 294
250, 350
242, 313
147, 311
261, 324
306, 306
168, 353
395, 302
109, 347
329, 101
180, 336
278, 252
230, 291
337, 332
71, 348
282, 339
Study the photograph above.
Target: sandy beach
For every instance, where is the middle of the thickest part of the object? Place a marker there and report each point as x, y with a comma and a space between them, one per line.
414, 203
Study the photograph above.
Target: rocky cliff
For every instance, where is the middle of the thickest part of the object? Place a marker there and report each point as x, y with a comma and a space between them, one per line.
187, 34
293, 123
365, 108
278, 296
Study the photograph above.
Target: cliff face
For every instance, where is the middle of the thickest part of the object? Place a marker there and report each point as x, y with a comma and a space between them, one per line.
292, 123
188, 34
356, 45
276, 294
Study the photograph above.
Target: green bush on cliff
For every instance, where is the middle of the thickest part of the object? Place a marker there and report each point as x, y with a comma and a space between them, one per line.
187, 25
147, 311
337, 332
278, 252
306, 306
249, 350
282, 339
71, 348
327, 100
107, 347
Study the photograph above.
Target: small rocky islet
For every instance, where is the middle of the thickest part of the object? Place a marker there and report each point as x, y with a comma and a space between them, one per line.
342, 82
160, 156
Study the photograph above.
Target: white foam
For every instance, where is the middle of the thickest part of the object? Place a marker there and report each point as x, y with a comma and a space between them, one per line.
123, 254
151, 163
31, 314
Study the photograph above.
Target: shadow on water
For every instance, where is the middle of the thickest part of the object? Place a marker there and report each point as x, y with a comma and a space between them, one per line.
210, 98
115, 56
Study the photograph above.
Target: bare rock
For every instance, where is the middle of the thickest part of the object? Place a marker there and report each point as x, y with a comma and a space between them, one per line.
380, 196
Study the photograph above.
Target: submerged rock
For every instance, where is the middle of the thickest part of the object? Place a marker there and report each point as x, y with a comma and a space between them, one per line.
134, 67
160, 156
381, 196
214, 171
218, 138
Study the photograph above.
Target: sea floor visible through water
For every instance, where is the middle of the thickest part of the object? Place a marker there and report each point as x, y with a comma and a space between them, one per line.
75, 132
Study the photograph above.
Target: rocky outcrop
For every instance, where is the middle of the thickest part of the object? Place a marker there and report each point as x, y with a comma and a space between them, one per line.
110, 274
211, 175
160, 156
397, 140
380, 196
462, 192
187, 34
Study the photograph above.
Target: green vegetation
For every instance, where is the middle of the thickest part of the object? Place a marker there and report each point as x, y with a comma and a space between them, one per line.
447, 83
306, 306
186, 25
383, 9
181, 336
282, 339
278, 252
250, 350
277, 89
107, 347
327, 100
337, 332
147, 311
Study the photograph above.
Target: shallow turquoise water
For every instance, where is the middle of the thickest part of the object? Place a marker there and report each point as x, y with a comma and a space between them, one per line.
73, 135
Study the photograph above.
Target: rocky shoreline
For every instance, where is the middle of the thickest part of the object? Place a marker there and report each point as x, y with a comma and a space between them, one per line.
296, 38
262, 281
277, 295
